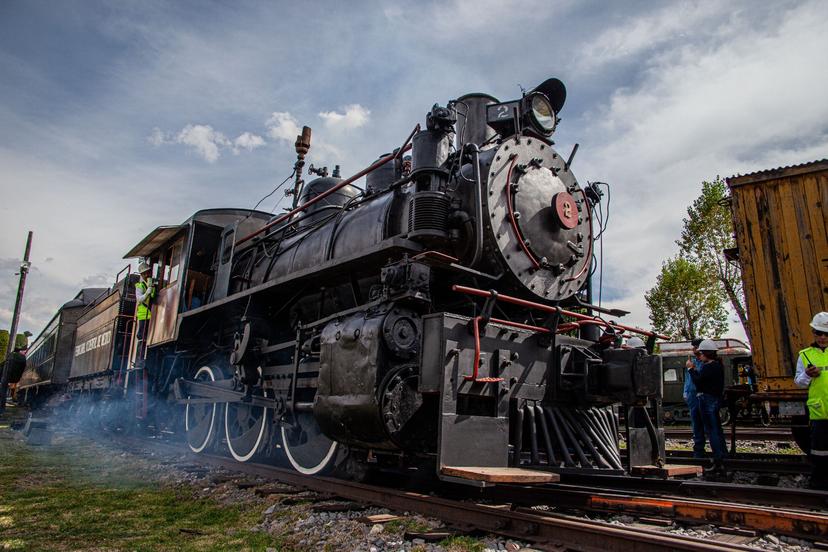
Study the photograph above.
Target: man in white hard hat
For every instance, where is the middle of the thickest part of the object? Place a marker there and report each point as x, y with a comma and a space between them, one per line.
812, 372
144, 294
709, 382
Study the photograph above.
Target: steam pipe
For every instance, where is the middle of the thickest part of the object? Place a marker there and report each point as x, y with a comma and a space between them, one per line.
578, 450
371, 168
478, 206
597, 417
613, 421
587, 439
603, 434
599, 438
547, 308
405, 147
559, 435
518, 437
588, 256
511, 211
533, 432
550, 452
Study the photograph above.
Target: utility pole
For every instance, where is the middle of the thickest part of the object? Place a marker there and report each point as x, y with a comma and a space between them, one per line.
24, 270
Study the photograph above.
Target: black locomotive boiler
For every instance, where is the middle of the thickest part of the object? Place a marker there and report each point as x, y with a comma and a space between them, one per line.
434, 313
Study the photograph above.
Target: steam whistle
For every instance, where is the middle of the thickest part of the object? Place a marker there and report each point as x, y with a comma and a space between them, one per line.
302, 145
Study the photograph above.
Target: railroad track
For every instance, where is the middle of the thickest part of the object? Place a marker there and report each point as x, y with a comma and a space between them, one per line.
524, 513
781, 464
742, 433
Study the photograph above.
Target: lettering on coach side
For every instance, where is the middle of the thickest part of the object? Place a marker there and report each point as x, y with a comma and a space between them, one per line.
93, 343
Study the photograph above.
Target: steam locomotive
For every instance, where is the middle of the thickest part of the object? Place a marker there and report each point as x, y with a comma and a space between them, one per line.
437, 315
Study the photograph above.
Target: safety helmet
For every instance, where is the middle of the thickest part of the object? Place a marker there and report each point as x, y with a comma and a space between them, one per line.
708, 345
635, 343
143, 267
820, 322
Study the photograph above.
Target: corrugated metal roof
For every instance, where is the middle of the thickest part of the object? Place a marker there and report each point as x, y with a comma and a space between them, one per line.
779, 172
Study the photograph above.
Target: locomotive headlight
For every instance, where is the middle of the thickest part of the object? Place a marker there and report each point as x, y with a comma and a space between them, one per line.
541, 113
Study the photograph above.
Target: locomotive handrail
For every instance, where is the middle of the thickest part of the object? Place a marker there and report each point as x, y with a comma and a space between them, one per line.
476, 366
128, 270
588, 256
478, 207
371, 168
583, 318
512, 218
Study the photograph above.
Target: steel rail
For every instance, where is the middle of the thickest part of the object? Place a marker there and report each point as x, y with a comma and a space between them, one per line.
536, 527
742, 434
562, 531
796, 523
789, 497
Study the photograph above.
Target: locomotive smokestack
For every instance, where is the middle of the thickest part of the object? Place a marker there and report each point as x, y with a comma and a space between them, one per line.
471, 119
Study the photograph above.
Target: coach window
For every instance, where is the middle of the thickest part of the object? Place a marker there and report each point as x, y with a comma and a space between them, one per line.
175, 260
169, 268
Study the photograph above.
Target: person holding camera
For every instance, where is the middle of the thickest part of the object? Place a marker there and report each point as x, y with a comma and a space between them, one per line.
709, 382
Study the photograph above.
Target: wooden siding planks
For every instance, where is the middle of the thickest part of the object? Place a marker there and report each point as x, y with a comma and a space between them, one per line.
781, 227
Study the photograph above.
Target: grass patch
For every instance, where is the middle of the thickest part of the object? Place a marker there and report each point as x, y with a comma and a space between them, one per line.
462, 544
74, 496
405, 525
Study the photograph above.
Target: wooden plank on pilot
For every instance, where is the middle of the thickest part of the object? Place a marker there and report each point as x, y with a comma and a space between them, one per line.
500, 475
667, 470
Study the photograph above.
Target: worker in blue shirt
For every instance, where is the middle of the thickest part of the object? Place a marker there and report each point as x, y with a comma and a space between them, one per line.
696, 421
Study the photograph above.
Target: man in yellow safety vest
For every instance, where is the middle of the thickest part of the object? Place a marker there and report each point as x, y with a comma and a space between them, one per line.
812, 372
144, 294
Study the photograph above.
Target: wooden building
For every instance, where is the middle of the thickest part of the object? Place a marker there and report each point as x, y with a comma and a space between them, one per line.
781, 223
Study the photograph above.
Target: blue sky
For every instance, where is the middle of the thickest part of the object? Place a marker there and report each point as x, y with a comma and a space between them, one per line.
118, 117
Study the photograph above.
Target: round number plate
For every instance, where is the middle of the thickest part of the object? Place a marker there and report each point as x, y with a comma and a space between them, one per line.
566, 210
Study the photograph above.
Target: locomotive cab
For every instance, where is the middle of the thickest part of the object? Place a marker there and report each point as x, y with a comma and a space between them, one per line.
184, 260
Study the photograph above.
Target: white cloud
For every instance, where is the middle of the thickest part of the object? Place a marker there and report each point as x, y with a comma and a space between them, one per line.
204, 140
354, 116
157, 137
673, 22
748, 102
247, 141
283, 126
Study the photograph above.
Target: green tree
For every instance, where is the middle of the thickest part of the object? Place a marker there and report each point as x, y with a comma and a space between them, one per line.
21, 340
707, 232
686, 301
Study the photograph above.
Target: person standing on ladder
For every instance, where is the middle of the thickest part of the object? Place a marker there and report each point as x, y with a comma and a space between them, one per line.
144, 294
812, 372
